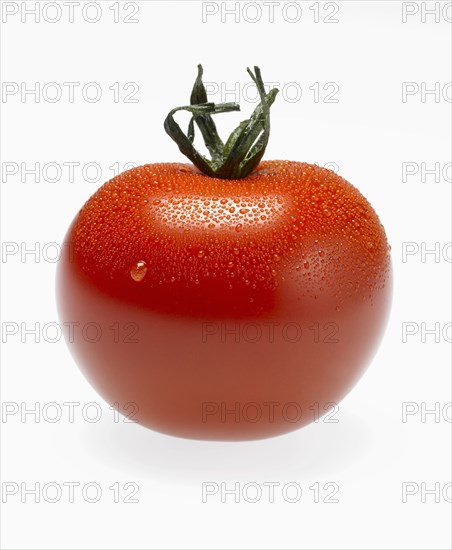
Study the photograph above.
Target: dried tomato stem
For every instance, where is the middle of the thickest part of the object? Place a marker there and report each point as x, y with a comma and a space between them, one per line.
246, 145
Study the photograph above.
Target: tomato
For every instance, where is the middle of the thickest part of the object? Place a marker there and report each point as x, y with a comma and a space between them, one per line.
220, 308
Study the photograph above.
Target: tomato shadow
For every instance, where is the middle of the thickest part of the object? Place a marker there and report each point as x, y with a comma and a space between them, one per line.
317, 450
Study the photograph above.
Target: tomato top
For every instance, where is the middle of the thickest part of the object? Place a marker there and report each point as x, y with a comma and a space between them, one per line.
167, 237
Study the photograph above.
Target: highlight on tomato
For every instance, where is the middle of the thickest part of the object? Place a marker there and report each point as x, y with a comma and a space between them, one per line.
227, 298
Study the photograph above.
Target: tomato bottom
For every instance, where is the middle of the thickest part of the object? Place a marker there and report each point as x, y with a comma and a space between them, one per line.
220, 378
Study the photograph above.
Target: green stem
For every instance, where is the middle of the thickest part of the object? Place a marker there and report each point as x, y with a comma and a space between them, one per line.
246, 145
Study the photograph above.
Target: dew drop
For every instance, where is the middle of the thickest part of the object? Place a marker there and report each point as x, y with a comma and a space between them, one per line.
138, 271
200, 254
306, 265
238, 227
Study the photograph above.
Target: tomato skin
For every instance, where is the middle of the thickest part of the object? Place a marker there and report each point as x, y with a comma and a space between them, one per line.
254, 302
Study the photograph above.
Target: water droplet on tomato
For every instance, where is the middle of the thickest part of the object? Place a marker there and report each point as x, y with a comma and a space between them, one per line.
138, 271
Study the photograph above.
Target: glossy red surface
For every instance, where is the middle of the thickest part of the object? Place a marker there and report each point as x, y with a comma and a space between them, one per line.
225, 309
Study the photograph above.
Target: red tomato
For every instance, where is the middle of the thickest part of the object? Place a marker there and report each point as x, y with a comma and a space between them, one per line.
225, 308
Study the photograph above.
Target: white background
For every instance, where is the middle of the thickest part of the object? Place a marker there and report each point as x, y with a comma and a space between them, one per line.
370, 453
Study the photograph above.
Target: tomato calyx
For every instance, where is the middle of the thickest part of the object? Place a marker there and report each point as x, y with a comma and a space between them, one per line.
246, 145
